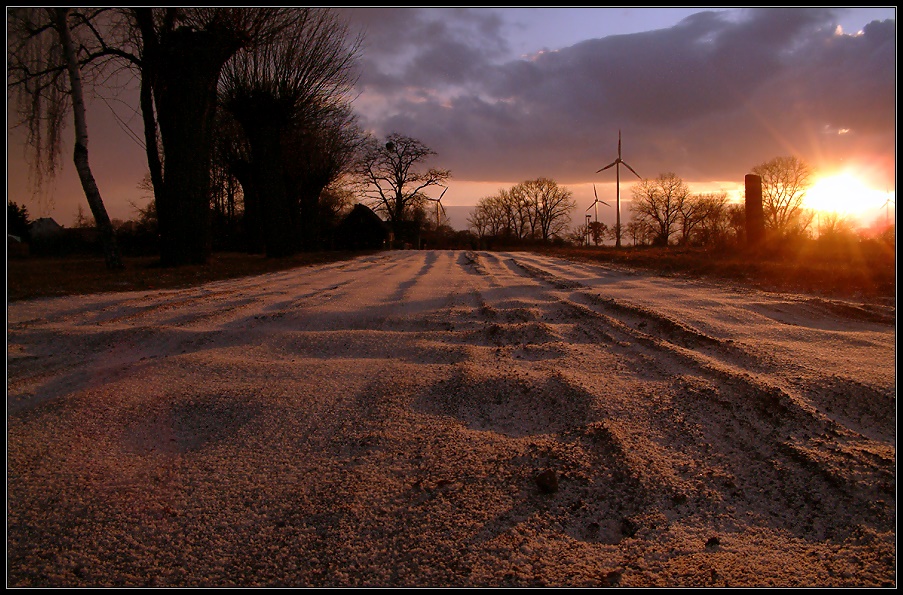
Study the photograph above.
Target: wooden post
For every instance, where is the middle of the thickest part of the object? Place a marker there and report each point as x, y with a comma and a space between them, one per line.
755, 214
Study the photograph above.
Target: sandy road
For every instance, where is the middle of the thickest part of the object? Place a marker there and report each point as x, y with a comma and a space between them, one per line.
382, 422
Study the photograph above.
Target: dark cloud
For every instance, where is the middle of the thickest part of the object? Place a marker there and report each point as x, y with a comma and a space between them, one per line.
711, 97
405, 46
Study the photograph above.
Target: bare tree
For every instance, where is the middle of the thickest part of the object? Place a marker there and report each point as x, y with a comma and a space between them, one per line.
43, 48
598, 231
658, 202
533, 209
394, 184
520, 219
478, 222
234, 153
785, 181
702, 217
291, 91
319, 154
178, 54
490, 217
689, 216
500, 214
580, 235
712, 224
548, 206
639, 231
835, 225
736, 221
181, 53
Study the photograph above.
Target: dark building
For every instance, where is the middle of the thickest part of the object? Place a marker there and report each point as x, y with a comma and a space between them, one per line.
361, 229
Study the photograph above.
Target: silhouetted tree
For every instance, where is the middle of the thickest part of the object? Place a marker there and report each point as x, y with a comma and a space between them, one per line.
182, 53
785, 181
714, 224
598, 231
703, 218
178, 54
490, 217
548, 206
736, 221
478, 222
393, 182
658, 203
287, 95
43, 48
580, 235
319, 153
834, 224
233, 153
641, 232
17, 220
336, 201
81, 220
521, 214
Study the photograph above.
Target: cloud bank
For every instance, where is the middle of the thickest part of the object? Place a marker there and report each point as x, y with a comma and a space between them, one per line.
708, 98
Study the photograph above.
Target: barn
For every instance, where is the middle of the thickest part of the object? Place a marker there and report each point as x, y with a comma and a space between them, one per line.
361, 229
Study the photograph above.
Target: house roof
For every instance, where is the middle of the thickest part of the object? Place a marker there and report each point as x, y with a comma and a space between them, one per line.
363, 213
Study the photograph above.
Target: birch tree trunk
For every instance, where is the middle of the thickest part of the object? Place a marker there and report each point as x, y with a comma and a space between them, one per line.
92, 193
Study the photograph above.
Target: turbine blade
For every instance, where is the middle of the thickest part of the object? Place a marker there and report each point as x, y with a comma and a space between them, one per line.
605, 203
631, 169
594, 192
443, 193
591, 206
612, 164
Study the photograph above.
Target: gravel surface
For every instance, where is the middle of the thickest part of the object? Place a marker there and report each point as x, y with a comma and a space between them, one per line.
441, 419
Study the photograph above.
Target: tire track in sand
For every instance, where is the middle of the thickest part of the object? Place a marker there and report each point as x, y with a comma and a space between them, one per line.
784, 447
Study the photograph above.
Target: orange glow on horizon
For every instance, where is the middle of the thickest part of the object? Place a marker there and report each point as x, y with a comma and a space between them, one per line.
846, 194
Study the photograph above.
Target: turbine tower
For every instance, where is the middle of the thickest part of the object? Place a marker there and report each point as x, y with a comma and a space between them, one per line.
438, 202
886, 207
596, 203
617, 165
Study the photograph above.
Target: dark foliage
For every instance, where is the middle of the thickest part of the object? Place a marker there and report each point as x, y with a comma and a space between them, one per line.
17, 221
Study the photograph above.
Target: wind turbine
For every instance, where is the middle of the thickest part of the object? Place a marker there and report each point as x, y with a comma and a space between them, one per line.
886, 207
617, 165
438, 202
596, 203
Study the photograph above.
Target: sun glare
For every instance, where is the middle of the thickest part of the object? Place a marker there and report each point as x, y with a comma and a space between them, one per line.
843, 194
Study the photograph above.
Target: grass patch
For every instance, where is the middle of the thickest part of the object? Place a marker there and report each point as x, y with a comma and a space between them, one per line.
860, 271
35, 277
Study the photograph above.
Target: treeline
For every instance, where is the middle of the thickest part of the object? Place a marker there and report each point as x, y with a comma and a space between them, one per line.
248, 127
532, 211
134, 237
663, 212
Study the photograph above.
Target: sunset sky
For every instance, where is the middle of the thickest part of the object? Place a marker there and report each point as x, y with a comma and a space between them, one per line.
509, 94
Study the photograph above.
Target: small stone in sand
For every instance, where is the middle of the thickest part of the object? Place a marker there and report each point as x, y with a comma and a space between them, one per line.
547, 482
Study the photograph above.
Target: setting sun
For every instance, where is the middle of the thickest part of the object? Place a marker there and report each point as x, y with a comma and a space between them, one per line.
845, 194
